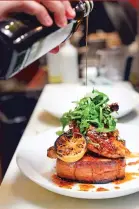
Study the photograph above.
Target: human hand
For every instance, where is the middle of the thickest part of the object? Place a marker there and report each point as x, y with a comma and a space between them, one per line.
62, 11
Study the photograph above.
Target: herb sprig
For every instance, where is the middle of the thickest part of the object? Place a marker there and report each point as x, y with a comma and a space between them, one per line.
91, 110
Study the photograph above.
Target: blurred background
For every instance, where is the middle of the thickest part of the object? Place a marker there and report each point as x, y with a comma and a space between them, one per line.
112, 57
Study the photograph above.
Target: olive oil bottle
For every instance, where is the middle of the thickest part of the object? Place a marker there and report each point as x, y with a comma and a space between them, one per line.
23, 39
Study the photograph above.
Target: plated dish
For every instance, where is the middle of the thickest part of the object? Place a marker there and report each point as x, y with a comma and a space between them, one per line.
91, 156
91, 150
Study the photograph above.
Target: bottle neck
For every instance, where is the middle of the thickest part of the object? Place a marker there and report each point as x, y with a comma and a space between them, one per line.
82, 9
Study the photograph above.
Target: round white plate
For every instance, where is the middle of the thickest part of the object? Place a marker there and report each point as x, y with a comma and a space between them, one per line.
59, 99
33, 163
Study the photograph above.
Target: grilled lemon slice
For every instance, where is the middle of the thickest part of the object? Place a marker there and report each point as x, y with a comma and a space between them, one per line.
70, 148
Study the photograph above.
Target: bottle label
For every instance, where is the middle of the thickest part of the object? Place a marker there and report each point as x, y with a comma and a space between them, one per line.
45, 45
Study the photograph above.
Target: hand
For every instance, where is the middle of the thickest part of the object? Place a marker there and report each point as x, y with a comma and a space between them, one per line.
62, 11
56, 50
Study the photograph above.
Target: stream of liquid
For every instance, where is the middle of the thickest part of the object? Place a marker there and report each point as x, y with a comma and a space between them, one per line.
86, 47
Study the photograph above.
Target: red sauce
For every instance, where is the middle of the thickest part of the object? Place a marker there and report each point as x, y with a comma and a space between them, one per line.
62, 183
128, 177
86, 187
133, 163
101, 189
117, 187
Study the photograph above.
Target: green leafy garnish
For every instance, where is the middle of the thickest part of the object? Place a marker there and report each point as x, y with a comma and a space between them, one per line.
91, 110
59, 133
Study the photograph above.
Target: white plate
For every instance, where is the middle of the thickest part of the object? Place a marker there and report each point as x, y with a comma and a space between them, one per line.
33, 163
59, 99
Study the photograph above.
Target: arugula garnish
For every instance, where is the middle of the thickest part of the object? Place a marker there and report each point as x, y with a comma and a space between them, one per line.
91, 110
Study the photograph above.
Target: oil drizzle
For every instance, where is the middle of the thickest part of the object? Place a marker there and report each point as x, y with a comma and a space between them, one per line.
133, 155
62, 183
87, 18
86, 187
133, 163
117, 187
128, 177
101, 189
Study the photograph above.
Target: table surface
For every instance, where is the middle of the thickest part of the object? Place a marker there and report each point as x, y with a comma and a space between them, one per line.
17, 192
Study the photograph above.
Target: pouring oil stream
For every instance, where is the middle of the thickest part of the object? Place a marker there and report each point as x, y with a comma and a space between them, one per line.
86, 48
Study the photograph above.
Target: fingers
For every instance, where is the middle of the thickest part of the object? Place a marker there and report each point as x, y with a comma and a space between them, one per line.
30, 7
57, 7
6, 7
61, 8
35, 8
55, 50
70, 13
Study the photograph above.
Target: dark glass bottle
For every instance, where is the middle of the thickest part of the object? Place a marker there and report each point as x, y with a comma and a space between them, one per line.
23, 39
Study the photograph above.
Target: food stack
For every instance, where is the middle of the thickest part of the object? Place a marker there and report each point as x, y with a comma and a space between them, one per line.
91, 151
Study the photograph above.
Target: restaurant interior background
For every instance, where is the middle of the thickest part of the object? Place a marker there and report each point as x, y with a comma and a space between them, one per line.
113, 56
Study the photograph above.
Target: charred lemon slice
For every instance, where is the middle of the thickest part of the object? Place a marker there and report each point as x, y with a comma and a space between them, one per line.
70, 148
